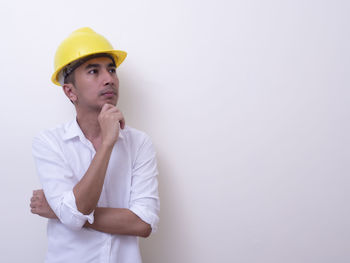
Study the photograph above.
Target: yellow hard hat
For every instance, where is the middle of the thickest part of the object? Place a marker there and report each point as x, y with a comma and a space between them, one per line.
82, 43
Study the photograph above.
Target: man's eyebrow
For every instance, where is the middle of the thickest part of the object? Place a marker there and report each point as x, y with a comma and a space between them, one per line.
98, 65
92, 66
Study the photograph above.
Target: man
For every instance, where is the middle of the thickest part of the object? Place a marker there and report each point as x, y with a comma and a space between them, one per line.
99, 177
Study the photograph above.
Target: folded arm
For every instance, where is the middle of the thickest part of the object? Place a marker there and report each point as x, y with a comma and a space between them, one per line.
72, 200
139, 219
119, 221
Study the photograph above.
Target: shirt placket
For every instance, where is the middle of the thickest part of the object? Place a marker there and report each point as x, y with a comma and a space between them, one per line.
106, 250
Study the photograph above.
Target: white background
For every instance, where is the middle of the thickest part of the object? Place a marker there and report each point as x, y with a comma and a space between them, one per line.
247, 103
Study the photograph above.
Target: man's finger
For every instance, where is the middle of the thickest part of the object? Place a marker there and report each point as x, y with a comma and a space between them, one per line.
106, 107
112, 109
38, 191
122, 123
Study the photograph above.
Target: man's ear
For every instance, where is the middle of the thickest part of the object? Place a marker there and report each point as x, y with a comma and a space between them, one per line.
70, 91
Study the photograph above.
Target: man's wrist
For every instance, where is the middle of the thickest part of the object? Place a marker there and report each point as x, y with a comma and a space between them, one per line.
107, 146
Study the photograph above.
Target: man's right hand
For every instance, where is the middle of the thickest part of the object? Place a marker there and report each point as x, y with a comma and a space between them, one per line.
111, 120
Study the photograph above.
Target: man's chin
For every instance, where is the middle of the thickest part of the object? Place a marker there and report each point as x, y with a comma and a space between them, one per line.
112, 102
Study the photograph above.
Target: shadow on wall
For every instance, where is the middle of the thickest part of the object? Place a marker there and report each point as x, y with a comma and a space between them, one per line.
138, 107
161, 246
131, 100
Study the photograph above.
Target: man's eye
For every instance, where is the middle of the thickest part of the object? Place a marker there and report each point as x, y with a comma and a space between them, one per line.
112, 70
93, 71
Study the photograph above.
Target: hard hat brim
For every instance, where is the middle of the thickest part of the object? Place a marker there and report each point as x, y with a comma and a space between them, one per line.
118, 56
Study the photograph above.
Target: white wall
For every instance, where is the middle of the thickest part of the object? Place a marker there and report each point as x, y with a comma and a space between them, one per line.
247, 103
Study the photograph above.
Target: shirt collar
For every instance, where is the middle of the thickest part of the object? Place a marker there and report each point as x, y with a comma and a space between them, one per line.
73, 130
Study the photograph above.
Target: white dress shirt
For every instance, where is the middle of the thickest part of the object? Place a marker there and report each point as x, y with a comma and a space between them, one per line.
62, 157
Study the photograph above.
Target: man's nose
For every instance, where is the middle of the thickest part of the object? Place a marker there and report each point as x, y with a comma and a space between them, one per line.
107, 78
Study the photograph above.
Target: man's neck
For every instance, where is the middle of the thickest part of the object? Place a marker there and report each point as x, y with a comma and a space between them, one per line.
88, 122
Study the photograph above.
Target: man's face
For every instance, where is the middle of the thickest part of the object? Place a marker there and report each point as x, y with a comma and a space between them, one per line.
96, 83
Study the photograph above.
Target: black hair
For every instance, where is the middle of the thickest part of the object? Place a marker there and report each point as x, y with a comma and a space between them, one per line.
68, 71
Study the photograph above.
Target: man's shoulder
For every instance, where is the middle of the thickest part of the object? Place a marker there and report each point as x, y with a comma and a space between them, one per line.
134, 136
133, 132
139, 142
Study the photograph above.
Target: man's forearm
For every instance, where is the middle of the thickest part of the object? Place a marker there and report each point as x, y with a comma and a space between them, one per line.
120, 221
88, 190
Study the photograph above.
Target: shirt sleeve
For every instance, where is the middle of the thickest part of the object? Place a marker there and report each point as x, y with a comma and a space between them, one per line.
57, 180
144, 200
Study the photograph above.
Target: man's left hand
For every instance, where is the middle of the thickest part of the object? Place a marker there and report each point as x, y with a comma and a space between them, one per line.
40, 206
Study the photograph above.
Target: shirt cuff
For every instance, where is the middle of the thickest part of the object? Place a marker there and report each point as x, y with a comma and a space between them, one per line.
146, 215
70, 215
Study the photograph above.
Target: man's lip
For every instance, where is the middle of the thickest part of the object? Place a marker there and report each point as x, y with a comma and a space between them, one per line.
109, 92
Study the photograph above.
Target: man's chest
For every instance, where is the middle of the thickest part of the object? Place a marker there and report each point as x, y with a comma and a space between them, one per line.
118, 179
